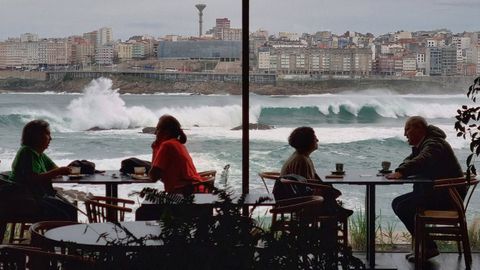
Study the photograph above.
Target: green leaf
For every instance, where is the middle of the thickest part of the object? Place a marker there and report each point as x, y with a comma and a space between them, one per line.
469, 159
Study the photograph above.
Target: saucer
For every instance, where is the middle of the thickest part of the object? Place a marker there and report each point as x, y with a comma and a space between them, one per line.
140, 176
75, 176
338, 173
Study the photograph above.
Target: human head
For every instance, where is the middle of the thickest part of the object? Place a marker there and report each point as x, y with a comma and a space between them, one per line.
36, 134
415, 129
168, 127
303, 139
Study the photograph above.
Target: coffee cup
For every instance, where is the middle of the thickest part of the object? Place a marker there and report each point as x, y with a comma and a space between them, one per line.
139, 170
386, 165
339, 167
74, 170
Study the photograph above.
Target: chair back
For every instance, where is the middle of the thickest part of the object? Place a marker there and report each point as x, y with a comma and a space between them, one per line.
205, 186
270, 176
37, 232
302, 210
99, 208
208, 174
452, 185
27, 257
471, 186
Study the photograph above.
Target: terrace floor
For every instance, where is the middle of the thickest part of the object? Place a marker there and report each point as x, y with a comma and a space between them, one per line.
445, 261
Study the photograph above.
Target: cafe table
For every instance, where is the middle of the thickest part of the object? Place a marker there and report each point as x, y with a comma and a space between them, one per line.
107, 235
111, 180
370, 179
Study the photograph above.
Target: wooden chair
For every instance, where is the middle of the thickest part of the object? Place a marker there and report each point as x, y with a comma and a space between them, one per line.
205, 186
38, 229
99, 208
320, 189
293, 210
445, 225
27, 257
208, 174
268, 175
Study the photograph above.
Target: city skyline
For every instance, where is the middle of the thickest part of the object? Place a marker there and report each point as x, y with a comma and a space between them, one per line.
54, 18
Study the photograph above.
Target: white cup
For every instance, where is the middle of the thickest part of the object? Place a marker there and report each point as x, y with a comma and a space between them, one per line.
139, 170
75, 170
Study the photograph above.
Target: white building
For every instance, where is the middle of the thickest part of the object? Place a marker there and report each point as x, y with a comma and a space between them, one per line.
289, 36
104, 55
402, 35
28, 37
104, 36
263, 59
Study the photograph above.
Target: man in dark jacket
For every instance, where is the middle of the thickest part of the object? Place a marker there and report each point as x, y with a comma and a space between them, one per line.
432, 157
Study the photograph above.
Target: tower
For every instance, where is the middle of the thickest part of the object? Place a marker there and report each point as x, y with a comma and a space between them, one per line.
200, 8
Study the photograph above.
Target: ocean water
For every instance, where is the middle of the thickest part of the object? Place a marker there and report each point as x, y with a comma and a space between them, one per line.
360, 129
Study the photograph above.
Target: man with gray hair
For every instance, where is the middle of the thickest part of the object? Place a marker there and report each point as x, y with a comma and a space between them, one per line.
432, 157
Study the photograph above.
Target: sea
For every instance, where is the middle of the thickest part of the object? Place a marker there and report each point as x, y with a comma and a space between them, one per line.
358, 128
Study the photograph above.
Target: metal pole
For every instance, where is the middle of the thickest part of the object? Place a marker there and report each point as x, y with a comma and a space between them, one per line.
245, 95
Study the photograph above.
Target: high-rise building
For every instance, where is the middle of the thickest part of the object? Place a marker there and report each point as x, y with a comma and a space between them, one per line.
104, 36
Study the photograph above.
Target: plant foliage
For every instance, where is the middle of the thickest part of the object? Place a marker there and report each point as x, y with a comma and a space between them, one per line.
225, 238
467, 126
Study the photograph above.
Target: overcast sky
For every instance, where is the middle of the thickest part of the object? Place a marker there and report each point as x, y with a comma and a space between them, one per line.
62, 18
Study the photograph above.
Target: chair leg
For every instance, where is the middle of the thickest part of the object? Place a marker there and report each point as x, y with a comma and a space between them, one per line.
467, 252
3, 228
459, 248
417, 239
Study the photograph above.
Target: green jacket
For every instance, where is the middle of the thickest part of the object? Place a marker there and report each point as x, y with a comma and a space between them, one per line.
433, 159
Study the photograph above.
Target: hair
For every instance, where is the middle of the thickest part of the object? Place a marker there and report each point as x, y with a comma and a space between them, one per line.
172, 127
417, 122
32, 131
301, 138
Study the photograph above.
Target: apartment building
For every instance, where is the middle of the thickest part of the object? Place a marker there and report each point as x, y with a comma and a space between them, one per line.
441, 61
303, 60
231, 34
104, 36
30, 54
124, 51
104, 54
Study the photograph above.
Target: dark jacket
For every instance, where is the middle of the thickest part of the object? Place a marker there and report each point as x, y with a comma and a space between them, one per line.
433, 159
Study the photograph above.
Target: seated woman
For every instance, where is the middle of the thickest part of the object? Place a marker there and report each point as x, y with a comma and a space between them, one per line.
33, 171
171, 162
305, 142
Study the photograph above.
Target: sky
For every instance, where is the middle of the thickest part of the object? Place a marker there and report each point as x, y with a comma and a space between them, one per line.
62, 18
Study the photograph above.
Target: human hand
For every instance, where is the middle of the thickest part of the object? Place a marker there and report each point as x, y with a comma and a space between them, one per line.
395, 175
64, 171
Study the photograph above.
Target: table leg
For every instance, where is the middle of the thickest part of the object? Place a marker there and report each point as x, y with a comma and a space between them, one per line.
111, 190
370, 216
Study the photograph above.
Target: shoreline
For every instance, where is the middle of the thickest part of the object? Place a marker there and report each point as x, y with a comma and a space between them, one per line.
135, 85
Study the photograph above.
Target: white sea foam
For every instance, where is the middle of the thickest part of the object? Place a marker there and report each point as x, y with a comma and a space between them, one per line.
326, 135
101, 106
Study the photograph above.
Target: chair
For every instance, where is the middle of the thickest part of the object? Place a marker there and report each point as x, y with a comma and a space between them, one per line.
107, 209
293, 210
445, 225
205, 186
268, 175
27, 257
37, 231
320, 189
208, 174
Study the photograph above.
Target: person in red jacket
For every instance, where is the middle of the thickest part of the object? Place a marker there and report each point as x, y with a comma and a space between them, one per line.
171, 162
